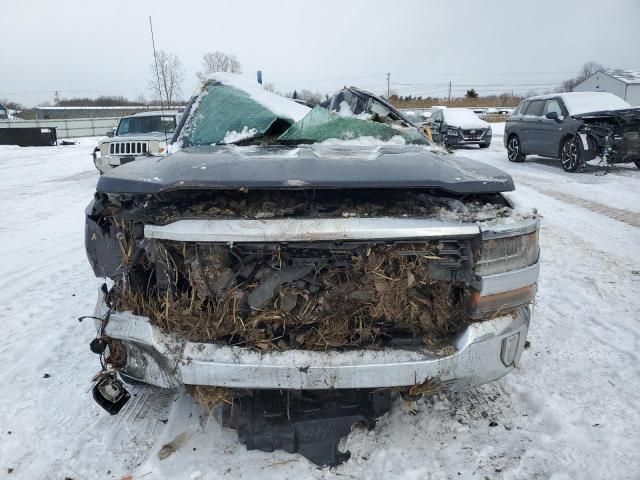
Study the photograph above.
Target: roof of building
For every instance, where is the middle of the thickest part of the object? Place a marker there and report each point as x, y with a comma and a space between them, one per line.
626, 76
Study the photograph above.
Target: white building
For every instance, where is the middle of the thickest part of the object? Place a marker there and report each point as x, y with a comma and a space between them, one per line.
623, 83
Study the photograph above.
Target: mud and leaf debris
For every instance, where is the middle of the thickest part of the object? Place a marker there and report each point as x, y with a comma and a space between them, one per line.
304, 203
299, 297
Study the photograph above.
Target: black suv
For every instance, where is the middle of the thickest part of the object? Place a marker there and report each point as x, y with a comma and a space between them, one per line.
575, 127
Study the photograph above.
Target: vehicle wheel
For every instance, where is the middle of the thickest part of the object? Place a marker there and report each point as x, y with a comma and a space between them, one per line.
637, 162
571, 157
484, 145
514, 150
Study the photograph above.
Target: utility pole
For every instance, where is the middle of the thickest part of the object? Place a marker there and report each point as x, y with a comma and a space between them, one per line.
164, 77
56, 98
449, 92
388, 86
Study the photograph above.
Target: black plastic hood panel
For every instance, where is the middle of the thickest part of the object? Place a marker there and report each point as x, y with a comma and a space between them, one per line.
305, 167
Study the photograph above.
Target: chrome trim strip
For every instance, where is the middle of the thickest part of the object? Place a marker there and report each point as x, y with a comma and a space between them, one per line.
507, 281
301, 230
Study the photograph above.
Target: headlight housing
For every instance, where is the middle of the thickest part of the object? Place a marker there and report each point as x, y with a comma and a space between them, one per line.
507, 253
104, 149
154, 147
452, 131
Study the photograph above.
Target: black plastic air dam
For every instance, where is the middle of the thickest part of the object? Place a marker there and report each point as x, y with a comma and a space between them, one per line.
310, 423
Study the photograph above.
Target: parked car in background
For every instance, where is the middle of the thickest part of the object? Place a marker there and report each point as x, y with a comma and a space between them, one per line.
418, 116
459, 126
139, 135
505, 110
574, 127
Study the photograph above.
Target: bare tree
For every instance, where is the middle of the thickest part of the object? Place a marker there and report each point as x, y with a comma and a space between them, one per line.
588, 69
11, 105
312, 98
218, 62
165, 83
269, 87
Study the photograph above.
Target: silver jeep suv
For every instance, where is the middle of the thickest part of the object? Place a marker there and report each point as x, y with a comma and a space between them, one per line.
140, 135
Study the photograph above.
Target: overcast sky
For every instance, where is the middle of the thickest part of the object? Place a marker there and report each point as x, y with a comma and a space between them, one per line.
88, 48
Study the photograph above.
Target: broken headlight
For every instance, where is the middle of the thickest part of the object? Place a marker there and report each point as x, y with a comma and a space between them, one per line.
452, 131
504, 254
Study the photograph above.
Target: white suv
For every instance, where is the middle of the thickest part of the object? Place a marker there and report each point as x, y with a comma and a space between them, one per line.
139, 135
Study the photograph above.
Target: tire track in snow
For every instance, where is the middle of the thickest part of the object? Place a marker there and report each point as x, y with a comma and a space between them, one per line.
624, 216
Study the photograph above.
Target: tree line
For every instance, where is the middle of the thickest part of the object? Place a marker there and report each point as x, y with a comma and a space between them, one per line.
167, 74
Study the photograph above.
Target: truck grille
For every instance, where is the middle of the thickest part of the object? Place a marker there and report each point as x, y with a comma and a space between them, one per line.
128, 148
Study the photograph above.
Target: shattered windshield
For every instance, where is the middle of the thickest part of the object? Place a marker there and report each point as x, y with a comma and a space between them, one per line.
230, 111
147, 124
321, 125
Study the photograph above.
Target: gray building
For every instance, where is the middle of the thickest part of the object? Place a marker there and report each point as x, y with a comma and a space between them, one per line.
55, 113
623, 83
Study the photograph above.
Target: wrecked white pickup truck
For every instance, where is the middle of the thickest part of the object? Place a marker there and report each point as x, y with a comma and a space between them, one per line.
327, 258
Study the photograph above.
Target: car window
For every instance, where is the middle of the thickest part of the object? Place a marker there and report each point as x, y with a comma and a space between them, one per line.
552, 105
535, 108
525, 106
147, 124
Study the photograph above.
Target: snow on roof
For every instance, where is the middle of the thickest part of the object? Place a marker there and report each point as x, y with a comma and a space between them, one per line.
626, 76
462, 116
281, 106
585, 102
155, 113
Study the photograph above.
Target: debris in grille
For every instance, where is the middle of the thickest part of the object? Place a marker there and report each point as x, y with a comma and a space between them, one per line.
309, 296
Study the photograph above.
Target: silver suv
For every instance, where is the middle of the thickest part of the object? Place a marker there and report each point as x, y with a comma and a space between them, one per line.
140, 135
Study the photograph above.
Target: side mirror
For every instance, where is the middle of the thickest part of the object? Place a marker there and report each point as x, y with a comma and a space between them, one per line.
110, 133
552, 116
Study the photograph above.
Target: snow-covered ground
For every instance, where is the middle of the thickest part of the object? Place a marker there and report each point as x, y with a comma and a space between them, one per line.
571, 409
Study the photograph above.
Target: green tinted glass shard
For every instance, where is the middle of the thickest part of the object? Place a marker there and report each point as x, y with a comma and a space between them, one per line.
320, 124
227, 112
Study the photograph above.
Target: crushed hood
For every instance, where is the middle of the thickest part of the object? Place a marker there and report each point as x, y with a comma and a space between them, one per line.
317, 166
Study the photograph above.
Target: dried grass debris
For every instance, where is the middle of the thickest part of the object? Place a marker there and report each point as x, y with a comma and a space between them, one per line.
349, 298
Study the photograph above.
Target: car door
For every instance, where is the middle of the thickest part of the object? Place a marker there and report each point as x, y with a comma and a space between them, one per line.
549, 131
531, 126
435, 122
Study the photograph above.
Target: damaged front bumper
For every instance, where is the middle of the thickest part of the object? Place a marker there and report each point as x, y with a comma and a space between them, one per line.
483, 352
